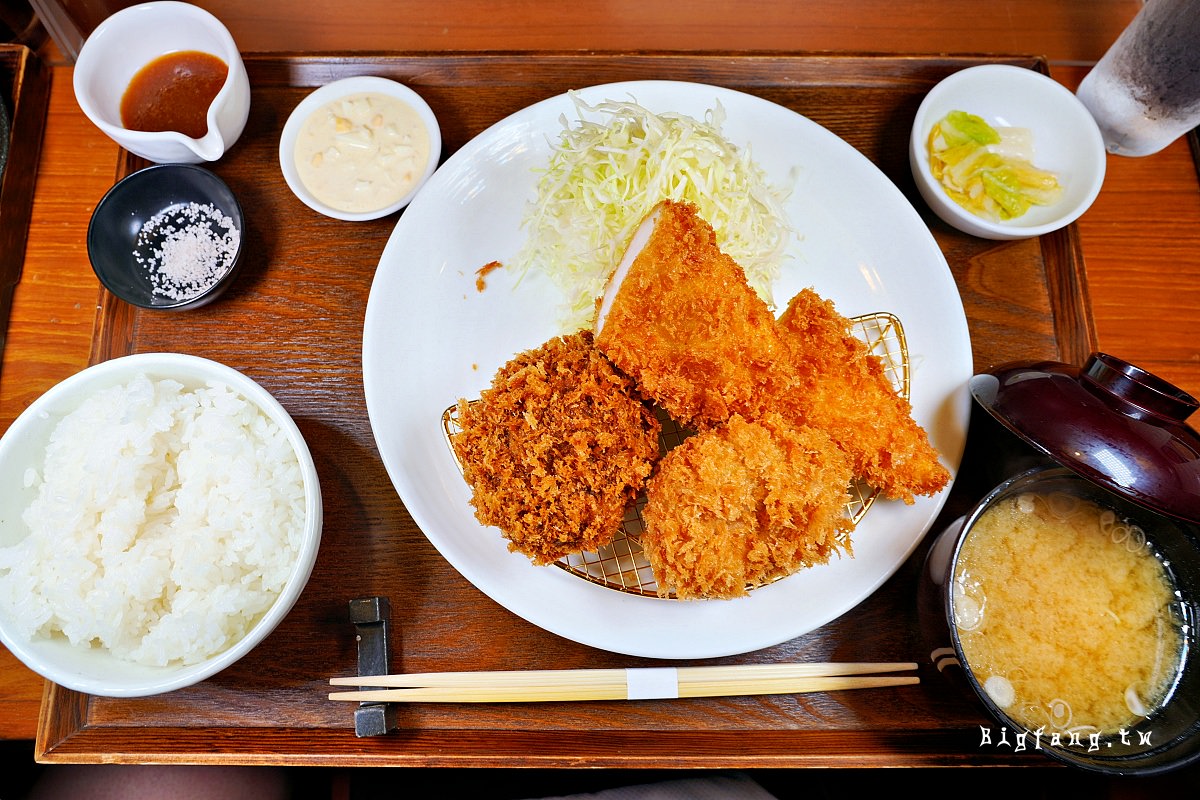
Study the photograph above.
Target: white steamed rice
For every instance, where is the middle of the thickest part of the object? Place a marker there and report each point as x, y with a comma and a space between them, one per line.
165, 524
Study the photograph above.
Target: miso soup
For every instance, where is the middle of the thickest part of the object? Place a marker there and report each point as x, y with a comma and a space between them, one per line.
1065, 615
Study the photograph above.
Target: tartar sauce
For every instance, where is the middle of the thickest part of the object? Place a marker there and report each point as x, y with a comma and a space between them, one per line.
362, 152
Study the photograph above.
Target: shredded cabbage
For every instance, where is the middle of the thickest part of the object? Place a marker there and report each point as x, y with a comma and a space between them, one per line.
605, 176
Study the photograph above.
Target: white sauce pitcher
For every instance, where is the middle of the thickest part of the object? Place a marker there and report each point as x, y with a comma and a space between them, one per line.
129, 40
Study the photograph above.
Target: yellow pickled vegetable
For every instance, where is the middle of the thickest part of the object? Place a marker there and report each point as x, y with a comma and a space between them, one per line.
988, 171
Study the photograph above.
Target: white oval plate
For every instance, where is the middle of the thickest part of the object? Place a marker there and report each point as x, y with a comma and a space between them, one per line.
430, 337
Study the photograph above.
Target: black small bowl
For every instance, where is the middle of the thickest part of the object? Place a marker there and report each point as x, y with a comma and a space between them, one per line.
167, 237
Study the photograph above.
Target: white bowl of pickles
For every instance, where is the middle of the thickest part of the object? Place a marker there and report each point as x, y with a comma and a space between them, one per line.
1004, 152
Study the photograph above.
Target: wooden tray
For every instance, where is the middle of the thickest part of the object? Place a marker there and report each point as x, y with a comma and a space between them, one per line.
294, 323
25, 94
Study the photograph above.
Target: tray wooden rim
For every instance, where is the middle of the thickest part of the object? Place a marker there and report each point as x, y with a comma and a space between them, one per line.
30, 97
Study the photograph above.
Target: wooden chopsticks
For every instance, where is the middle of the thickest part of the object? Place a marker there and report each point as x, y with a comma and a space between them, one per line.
648, 683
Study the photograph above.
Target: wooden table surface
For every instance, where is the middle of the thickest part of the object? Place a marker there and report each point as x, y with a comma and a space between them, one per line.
1140, 241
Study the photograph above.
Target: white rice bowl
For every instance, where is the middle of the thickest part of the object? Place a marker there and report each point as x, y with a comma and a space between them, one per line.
161, 515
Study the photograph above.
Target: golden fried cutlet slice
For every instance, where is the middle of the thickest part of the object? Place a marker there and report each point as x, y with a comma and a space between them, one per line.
556, 449
842, 389
682, 321
743, 504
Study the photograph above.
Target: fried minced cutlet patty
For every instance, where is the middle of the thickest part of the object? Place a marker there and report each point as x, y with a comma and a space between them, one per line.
556, 449
843, 390
742, 504
684, 322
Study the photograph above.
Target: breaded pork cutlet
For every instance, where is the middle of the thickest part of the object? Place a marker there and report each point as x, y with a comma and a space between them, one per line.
681, 320
556, 449
743, 504
843, 390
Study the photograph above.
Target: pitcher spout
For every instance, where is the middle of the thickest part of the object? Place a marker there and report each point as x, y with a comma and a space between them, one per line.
210, 147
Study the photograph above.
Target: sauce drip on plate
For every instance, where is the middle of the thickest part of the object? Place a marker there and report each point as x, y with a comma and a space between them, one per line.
173, 93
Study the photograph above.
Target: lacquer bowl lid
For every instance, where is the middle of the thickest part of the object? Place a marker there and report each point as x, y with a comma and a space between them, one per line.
1109, 421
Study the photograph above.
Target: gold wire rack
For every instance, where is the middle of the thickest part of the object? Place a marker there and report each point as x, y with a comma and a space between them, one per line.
622, 565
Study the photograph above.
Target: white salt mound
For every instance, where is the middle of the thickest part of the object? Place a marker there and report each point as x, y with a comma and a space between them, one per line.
165, 524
